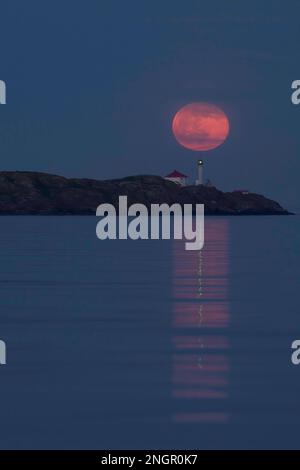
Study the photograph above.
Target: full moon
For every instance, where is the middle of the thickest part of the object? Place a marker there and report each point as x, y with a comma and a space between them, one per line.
200, 126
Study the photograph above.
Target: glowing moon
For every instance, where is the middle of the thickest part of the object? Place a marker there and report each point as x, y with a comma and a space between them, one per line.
200, 126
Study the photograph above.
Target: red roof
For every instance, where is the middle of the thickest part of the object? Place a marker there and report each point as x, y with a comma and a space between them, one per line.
176, 174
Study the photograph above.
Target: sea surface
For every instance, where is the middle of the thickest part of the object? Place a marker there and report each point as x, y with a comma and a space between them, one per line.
143, 345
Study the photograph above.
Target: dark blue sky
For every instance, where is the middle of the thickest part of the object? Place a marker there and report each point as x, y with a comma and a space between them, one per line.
93, 86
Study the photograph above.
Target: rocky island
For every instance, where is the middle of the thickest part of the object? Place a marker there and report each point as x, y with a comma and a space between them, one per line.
33, 193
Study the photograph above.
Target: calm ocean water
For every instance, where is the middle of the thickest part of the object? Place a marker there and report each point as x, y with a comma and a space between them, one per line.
126, 344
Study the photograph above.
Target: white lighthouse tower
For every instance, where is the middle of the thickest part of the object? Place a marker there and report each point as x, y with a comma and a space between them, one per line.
200, 172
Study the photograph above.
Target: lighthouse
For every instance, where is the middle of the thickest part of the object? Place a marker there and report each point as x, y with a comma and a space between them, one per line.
200, 172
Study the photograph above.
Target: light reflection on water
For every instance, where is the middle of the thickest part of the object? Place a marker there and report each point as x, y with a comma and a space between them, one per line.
143, 345
200, 375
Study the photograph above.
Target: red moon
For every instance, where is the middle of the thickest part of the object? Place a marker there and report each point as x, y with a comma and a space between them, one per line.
200, 126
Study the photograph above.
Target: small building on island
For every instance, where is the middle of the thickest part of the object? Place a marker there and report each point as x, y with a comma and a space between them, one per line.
177, 177
241, 191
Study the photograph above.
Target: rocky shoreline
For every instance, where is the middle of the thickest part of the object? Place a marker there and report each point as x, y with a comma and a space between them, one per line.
33, 193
